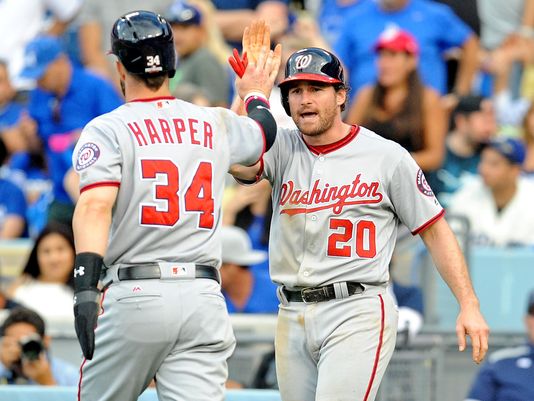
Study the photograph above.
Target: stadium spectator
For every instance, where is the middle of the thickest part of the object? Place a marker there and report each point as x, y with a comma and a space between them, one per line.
331, 15
499, 206
24, 353
192, 93
398, 106
45, 284
436, 28
474, 124
508, 373
232, 16
197, 64
66, 99
22, 20
10, 111
96, 19
247, 289
528, 136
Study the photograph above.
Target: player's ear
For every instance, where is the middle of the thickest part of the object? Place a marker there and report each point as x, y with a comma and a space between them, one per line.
120, 70
341, 96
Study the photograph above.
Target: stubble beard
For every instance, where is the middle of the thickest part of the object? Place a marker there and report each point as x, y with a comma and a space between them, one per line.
326, 121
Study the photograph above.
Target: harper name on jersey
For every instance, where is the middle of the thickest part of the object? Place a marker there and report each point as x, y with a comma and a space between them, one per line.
172, 131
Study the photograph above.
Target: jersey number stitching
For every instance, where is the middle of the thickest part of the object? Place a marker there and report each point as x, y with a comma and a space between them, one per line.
198, 197
365, 229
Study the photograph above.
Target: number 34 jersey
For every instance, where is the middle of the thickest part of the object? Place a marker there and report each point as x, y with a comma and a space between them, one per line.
336, 208
169, 159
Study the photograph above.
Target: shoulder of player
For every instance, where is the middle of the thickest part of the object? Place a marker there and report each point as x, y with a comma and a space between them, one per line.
386, 145
509, 353
111, 120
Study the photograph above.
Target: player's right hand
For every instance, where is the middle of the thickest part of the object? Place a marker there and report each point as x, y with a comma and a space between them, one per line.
87, 269
85, 317
471, 323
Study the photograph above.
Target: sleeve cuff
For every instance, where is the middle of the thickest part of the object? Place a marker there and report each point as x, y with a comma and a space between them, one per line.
100, 184
422, 228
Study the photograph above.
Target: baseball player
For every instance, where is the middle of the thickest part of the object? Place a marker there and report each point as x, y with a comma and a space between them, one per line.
151, 181
339, 194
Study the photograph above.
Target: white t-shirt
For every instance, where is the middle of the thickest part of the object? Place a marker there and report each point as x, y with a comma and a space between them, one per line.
53, 301
514, 225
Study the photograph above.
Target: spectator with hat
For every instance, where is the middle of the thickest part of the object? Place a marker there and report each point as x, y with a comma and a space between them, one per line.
246, 288
474, 124
398, 106
197, 65
65, 100
499, 205
508, 373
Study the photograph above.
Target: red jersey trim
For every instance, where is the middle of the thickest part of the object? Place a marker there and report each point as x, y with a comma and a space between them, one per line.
378, 349
151, 99
324, 149
429, 223
85, 360
101, 184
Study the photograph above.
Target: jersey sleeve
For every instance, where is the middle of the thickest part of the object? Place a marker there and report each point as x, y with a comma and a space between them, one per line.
245, 138
412, 198
97, 157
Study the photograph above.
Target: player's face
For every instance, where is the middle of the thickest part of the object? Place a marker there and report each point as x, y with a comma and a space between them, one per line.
56, 259
394, 67
314, 106
496, 171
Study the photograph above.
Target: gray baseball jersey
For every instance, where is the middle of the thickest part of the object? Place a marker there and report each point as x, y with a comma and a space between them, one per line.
336, 208
169, 159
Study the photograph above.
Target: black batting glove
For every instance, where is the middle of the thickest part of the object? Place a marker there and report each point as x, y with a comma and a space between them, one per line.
87, 270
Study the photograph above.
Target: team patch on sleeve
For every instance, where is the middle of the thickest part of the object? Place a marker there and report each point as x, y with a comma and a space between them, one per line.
87, 156
422, 184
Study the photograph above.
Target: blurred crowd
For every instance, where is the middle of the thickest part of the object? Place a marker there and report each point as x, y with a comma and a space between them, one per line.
451, 81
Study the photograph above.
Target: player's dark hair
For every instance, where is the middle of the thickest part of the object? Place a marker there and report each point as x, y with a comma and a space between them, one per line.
32, 267
408, 122
153, 82
24, 315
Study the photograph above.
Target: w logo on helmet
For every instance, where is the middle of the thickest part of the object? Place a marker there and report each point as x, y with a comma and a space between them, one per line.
303, 61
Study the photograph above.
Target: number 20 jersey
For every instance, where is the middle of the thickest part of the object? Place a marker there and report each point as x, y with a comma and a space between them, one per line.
336, 208
169, 159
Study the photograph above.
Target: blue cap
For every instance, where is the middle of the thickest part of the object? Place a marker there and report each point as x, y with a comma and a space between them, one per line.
511, 148
39, 53
183, 13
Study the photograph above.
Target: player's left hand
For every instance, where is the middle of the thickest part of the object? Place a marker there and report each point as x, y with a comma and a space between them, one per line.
471, 323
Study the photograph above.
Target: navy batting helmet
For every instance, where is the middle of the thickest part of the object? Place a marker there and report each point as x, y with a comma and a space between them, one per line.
143, 42
311, 64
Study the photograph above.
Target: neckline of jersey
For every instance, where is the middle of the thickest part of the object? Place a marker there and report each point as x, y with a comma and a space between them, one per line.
324, 149
152, 99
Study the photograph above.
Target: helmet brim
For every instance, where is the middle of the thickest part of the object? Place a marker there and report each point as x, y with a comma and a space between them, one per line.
310, 77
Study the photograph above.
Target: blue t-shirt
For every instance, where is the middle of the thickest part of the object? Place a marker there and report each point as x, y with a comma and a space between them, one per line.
508, 375
12, 201
10, 115
60, 121
435, 26
64, 374
331, 15
262, 298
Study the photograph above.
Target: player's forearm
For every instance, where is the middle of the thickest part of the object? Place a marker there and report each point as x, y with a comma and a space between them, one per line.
468, 66
91, 223
449, 260
245, 173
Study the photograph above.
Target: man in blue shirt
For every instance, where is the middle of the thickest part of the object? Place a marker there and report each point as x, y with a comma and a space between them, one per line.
436, 28
509, 373
30, 363
246, 284
65, 100
10, 111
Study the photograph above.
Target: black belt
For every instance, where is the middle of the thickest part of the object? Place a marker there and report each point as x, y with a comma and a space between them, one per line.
320, 294
152, 271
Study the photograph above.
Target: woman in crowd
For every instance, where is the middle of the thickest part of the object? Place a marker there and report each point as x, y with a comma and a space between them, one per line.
46, 283
399, 107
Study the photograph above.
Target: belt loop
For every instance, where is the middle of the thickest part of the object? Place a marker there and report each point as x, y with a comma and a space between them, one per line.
341, 290
281, 295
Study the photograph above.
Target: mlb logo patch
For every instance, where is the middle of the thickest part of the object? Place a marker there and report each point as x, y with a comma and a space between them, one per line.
178, 271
